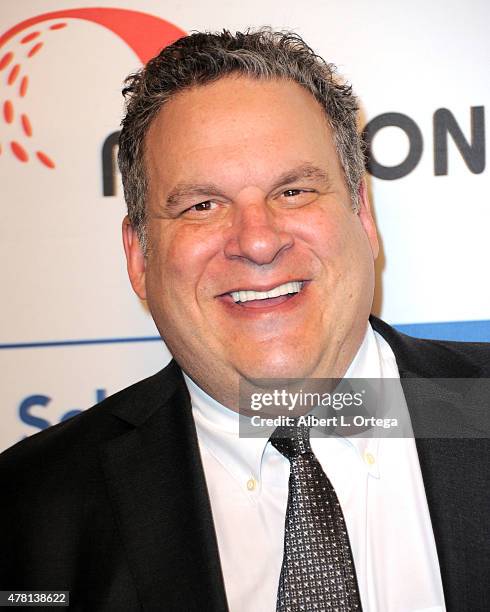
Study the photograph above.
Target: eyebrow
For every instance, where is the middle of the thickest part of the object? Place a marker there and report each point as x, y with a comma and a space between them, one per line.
303, 171
184, 190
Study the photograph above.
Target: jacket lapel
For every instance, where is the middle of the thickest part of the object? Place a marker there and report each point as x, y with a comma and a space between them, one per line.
158, 491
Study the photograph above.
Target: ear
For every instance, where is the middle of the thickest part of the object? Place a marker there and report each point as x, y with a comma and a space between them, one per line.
136, 262
366, 218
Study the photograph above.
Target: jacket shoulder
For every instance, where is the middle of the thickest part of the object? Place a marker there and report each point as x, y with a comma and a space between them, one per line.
436, 358
74, 442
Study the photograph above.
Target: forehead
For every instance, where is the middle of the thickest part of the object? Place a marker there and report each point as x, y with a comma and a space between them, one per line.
238, 122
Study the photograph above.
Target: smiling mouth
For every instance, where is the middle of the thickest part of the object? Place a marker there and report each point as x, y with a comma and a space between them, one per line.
249, 298
249, 295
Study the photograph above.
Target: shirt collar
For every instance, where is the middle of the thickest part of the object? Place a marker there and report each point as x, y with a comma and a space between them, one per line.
218, 426
218, 431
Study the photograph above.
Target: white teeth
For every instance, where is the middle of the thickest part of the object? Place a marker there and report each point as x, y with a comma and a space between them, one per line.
248, 295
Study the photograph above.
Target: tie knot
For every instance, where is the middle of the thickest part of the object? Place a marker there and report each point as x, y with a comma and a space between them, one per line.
291, 441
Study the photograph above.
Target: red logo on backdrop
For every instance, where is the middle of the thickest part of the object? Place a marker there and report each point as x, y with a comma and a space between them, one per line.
145, 34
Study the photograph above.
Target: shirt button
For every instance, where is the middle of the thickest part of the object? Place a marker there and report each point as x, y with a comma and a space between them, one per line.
369, 458
251, 484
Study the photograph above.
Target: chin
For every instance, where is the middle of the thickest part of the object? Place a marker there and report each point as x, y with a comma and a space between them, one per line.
276, 366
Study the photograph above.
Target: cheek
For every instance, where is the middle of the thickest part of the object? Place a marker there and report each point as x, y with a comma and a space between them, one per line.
338, 243
180, 257
325, 234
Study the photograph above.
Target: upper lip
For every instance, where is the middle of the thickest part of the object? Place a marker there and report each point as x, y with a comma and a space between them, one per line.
268, 287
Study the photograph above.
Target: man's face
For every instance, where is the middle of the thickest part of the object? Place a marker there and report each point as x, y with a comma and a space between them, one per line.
246, 196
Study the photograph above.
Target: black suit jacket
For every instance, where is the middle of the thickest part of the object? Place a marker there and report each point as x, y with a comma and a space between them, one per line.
112, 504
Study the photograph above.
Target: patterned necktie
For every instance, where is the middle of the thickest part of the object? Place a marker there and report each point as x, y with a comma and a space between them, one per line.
318, 571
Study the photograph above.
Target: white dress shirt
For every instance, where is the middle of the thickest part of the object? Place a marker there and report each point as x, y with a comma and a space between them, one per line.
379, 486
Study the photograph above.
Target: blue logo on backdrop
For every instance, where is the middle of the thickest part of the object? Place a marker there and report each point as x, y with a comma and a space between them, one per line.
29, 405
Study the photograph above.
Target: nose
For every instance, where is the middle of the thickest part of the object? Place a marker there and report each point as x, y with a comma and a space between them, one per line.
255, 235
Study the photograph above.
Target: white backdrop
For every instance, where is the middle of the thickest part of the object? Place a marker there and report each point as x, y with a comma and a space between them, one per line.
71, 329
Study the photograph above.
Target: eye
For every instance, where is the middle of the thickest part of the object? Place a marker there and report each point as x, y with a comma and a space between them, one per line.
291, 193
202, 206
297, 197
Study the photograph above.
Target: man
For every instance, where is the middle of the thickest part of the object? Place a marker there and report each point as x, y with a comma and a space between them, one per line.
250, 235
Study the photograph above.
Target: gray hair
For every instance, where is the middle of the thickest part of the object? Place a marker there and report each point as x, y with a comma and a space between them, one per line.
204, 57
